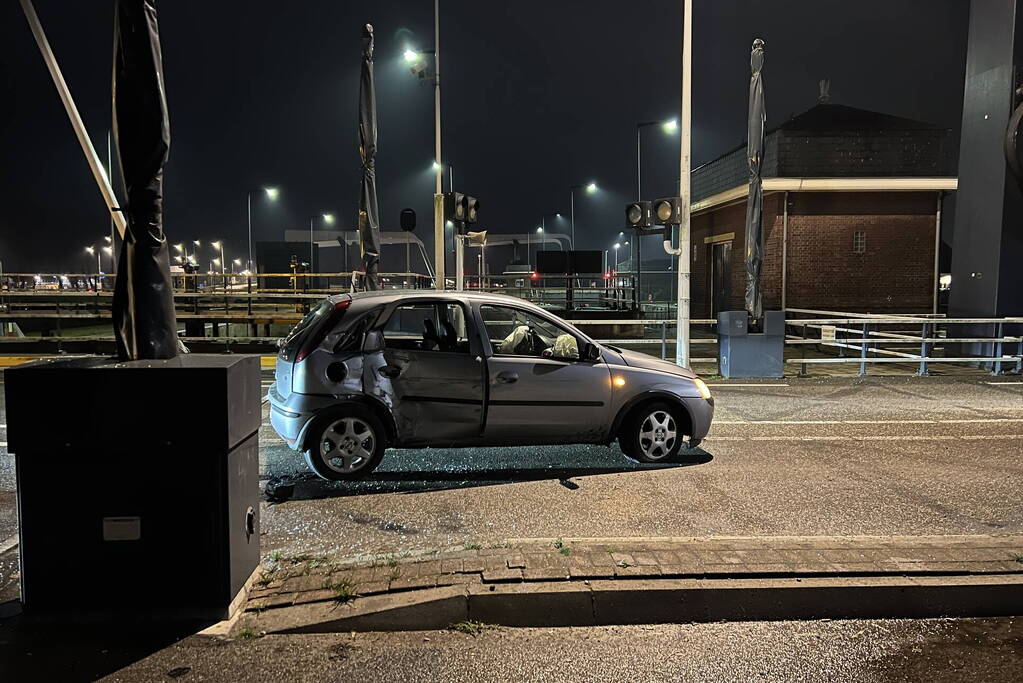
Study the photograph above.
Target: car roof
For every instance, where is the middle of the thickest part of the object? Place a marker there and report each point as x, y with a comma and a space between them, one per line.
391, 295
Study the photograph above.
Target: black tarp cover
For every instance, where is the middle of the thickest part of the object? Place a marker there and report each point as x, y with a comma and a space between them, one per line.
755, 205
143, 305
369, 219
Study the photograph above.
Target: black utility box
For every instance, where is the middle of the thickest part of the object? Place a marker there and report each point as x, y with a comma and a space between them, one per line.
138, 484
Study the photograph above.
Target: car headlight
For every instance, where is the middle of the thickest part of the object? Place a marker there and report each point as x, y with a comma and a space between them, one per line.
702, 387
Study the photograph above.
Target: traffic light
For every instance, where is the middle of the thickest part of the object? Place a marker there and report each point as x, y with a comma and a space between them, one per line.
667, 211
461, 209
454, 207
637, 215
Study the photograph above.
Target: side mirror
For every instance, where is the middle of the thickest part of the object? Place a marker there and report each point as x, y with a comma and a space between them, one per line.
590, 353
373, 341
408, 220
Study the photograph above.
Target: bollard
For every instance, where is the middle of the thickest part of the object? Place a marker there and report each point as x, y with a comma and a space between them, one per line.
922, 372
863, 351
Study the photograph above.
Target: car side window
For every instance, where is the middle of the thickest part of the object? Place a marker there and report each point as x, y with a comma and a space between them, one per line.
427, 327
514, 332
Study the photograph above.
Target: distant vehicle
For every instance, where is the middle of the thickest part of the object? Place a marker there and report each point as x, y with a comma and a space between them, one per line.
48, 283
367, 371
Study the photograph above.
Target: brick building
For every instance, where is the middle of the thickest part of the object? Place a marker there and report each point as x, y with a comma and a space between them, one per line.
852, 215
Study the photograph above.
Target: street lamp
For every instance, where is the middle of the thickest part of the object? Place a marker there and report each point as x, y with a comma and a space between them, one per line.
417, 63
272, 193
109, 251
669, 127
590, 189
92, 252
219, 246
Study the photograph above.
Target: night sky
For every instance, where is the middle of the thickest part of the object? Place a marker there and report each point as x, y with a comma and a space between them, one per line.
537, 96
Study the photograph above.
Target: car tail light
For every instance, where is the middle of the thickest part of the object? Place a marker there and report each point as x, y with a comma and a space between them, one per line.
316, 338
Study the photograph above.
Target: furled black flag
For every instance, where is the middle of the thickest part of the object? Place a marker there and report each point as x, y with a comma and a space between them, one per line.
755, 205
369, 222
143, 306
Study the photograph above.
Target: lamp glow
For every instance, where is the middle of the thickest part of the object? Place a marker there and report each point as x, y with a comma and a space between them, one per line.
591, 188
670, 126
619, 382
702, 387
411, 55
272, 193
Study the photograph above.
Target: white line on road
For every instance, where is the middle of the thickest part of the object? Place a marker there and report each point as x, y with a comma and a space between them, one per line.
995, 384
711, 384
936, 437
975, 420
9, 543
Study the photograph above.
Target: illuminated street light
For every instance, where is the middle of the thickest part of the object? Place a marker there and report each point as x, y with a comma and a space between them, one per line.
328, 218
590, 189
412, 56
670, 126
272, 193
179, 247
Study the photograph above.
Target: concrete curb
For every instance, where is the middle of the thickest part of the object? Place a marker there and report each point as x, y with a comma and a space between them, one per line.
657, 601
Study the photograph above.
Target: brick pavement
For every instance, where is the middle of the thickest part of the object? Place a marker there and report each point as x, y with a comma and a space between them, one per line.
302, 580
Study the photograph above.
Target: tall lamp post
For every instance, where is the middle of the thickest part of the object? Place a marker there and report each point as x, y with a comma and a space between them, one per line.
590, 189
668, 127
272, 193
417, 62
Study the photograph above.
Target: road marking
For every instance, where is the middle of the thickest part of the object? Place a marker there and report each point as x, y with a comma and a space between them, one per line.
8, 544
997, 384
935, 437
710, 384
975, 420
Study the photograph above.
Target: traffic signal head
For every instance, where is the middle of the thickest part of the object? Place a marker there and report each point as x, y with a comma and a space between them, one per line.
472, 206
455, 208
667, 211
637, 215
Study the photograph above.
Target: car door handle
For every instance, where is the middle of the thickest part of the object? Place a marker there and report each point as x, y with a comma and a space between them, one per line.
507, 377
389, 371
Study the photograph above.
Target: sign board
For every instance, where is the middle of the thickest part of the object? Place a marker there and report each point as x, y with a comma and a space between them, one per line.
828, 333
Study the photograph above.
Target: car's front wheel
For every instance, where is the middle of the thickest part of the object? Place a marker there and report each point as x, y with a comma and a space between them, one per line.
651, 433
346, 446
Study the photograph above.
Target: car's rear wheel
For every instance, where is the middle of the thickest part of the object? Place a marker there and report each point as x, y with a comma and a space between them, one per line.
652, 433
346, 446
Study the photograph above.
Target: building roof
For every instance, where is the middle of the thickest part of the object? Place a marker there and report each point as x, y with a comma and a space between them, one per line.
835, 141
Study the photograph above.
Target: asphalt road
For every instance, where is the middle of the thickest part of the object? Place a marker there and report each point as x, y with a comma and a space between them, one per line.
874, 651
798, 457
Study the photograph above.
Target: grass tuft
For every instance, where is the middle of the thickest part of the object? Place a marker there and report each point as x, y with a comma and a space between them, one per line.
471, 628
344, 590
248, 634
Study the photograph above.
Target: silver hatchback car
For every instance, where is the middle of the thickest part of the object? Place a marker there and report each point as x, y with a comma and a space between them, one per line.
363, 372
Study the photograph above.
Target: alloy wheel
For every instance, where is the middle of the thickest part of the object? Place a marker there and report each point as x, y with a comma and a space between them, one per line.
657, 434
347, 445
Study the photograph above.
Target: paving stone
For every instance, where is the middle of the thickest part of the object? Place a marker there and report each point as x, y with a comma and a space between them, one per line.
644, 558
428, 567
544, 573
450, 566
623, 558
601, 559
456, 579
472, 564
502, 575
372, 588
304, 583
315, 596
591, 572
640, 570
515, 561
418, 582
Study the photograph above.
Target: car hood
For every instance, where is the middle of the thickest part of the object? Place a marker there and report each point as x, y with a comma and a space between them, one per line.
634, 359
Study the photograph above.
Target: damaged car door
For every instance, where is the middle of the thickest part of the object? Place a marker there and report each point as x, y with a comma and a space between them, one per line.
431, 374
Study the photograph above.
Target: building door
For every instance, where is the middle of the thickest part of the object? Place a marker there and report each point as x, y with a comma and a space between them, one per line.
721, 276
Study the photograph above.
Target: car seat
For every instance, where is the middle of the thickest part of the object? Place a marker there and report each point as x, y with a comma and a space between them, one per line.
449, 338
431, 340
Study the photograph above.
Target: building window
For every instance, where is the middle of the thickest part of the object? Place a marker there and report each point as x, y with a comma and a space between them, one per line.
860, 242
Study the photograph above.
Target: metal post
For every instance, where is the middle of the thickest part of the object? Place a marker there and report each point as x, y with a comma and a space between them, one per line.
937, 247
997, 369
863, 351
98, 173
113, 228
664, 339
922, 372
572, 201
249, 204
784, 250
438, 195
459, 262
685, 151
310, 245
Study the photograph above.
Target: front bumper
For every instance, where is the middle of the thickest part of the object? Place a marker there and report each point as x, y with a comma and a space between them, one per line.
701, 412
